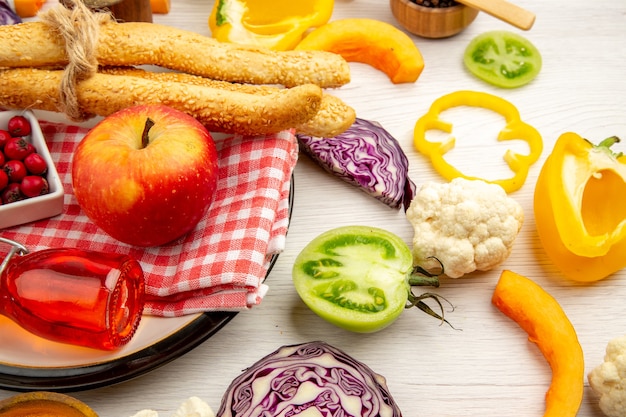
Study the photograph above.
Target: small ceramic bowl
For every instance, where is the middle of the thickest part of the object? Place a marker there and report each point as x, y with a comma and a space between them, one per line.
44, 404
40, 207
432, 22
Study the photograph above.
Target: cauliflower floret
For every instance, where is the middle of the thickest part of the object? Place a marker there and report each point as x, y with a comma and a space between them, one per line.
191, 407
608, 379
468, 225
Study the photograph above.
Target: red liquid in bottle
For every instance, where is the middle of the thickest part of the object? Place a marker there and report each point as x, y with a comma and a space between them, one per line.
73, 296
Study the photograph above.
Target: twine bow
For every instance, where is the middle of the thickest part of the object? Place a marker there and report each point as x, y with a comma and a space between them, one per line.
79, 28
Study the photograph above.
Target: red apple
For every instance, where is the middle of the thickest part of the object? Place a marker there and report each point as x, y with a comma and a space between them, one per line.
146, 175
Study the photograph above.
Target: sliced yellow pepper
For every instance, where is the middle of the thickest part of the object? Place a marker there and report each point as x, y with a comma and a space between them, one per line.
580, 208
274, 24
515, 129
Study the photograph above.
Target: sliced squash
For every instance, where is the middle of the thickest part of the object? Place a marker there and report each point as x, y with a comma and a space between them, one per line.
547, 325
372, 42
160, 6
27, 8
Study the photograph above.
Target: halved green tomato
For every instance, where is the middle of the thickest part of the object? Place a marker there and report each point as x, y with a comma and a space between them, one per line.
504, 59
359, 278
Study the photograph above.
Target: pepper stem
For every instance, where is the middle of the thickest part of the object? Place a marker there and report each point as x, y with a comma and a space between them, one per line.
145, 139
606, 144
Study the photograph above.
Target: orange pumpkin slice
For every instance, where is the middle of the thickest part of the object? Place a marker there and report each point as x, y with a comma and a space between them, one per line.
371, 42
547, 325
160, 6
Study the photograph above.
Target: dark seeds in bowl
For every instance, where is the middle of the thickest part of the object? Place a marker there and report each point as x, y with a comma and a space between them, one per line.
435, 3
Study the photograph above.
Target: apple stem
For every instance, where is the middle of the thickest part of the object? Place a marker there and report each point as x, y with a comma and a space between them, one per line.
146, 129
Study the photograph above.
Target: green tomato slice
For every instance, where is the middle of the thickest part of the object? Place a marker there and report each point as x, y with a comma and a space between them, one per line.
355, 277
502, 58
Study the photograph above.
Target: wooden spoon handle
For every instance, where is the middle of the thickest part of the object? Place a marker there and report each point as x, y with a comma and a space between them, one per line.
503, 10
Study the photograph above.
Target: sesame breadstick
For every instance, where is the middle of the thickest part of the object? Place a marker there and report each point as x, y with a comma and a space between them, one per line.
332, 118
219, 110
34, 44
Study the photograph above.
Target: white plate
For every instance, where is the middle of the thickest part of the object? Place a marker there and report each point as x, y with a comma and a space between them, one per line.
28, 362
31, 363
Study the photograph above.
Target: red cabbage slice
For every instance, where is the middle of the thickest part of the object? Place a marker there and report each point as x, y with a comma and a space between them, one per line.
367, 156
312, 379
7, 15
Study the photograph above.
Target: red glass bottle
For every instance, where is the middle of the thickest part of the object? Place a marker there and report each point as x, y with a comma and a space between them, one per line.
73, 296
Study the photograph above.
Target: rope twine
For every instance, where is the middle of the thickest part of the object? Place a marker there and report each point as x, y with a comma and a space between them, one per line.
79, 27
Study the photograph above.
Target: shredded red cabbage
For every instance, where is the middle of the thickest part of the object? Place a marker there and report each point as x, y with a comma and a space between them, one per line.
313, 379
367, 156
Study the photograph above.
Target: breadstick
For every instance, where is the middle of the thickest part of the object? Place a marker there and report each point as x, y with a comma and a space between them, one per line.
332, 118
34, 44
219, 110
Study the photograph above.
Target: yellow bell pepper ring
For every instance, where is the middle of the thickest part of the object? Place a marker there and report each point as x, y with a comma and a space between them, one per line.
515, 129
275, 24
580, 208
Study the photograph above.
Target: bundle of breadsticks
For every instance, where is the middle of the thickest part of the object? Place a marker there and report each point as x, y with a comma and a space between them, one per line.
229, 88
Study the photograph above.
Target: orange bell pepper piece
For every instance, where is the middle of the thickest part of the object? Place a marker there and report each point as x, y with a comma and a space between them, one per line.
514, 129
580, 208
547, 325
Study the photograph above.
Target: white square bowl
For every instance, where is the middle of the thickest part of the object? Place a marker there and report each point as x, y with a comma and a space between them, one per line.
40, 207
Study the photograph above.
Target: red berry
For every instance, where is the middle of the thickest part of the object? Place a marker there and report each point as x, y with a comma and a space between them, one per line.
19, 126
35, 164
18, 148
4, 179
11, 193
3, 159
16, 170
34, 185
4, 138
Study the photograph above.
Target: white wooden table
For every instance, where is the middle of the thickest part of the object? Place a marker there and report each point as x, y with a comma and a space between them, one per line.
488, 368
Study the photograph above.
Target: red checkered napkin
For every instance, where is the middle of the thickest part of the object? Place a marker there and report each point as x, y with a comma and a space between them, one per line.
219, 266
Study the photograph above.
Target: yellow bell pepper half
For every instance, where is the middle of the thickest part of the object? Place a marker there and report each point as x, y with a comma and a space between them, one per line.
580, 208
515, 129
275, 24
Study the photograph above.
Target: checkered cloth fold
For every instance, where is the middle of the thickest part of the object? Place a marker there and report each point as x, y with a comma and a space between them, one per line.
222, 264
